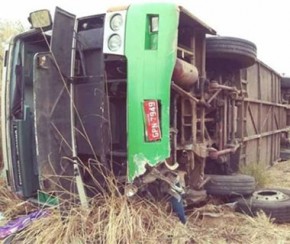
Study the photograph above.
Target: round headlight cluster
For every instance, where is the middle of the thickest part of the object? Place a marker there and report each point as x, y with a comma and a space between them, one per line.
116, 22
114, 42
115, 32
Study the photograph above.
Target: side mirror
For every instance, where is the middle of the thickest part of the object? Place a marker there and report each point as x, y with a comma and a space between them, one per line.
40, 19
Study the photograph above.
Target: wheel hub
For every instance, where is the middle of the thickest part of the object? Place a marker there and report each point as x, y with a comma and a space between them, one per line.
270, 195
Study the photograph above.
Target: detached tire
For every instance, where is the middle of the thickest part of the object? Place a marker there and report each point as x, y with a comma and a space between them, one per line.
230, 185
275, 203
284, 154
230, 52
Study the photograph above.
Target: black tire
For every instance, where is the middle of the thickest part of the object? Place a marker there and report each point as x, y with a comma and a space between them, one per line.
285, 82
284, 154
274, 202
230, 185
230, 52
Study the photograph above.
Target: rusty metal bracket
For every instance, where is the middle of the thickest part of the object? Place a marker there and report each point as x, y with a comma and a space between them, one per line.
214, 153
214, 95
188, 95
214, 85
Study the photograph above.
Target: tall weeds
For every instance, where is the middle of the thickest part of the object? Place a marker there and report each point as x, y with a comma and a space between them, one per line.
258, 171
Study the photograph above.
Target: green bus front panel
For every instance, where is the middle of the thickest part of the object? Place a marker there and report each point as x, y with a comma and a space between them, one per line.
150, 48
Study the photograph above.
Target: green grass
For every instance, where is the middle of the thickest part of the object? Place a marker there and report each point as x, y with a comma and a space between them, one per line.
258, 171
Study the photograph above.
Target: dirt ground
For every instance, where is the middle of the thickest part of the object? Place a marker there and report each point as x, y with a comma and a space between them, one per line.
216, 222
228, 226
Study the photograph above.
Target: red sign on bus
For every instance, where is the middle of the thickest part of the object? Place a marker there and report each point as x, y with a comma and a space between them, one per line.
152, 123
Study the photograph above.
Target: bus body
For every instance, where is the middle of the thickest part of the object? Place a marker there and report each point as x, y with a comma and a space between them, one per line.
129, 91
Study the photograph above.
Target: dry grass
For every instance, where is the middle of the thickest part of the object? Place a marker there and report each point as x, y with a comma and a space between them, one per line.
110, 220
258, 171
10, 204
261, 230
117, 219
279, 175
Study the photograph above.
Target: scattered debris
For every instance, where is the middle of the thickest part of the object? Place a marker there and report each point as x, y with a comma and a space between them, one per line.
178, 208
20, 223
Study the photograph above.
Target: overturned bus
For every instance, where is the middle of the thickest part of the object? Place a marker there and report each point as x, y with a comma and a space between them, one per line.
146, 94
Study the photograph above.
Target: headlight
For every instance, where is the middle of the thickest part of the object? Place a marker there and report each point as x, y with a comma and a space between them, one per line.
114, 42
116, 22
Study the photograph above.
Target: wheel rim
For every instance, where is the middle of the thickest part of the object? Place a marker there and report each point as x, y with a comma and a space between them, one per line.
270, 195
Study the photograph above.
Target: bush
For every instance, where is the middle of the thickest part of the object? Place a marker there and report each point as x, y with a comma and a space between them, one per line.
258, 171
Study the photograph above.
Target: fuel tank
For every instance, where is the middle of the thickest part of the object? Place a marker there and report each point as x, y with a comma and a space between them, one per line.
184, 74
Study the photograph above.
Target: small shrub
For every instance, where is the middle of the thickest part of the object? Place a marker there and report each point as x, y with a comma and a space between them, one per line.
258, 171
